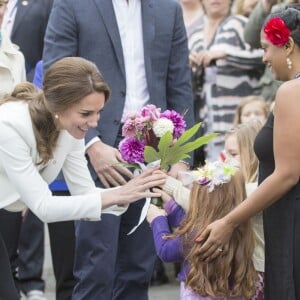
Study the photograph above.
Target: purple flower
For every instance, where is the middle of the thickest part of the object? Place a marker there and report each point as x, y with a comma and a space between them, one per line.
136, 125
178, 121
204, 181
151, 111
132, 150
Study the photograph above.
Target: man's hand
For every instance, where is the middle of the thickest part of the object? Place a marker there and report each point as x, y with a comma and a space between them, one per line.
104, 159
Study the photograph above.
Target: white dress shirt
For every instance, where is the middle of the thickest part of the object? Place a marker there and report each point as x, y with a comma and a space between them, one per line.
129, 19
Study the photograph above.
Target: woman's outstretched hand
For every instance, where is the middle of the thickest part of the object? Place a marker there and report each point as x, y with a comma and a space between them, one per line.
214, 239
135, 189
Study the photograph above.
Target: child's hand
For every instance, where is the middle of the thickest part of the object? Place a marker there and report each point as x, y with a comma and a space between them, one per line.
177, 168
164, 196
154, 212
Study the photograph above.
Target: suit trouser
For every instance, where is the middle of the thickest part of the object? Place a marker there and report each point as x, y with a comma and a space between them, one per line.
27, 265
31, 257
62, 242
31, 254
109, 264
10, 226
62, 245
7, 287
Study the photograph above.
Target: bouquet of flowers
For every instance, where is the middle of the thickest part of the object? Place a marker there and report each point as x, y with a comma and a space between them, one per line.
152, 135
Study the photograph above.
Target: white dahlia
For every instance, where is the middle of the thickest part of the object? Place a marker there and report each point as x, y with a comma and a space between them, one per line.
162, 126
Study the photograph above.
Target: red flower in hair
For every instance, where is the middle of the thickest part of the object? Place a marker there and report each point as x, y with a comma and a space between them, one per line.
277, 32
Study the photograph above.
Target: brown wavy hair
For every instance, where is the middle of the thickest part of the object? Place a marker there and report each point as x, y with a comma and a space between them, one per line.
232, 273
66, 83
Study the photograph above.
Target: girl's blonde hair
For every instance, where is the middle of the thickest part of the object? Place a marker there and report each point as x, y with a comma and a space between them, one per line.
231, 274
66, 83
250, 99
245, 136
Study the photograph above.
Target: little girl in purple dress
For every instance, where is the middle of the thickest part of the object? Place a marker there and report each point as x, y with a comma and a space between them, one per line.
217, 189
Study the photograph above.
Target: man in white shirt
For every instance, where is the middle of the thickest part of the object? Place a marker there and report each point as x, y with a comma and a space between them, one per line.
140, 46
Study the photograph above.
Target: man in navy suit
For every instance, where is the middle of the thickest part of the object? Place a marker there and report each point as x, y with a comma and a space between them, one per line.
140, 46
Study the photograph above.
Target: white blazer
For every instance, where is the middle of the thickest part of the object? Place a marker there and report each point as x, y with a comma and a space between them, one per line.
22, 180
12, 65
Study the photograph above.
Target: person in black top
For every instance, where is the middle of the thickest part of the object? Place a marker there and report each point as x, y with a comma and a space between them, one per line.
277, 147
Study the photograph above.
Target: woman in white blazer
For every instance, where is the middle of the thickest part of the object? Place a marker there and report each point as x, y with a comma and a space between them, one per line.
43, 133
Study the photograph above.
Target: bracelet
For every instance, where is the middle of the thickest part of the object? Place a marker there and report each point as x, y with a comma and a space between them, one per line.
185, 162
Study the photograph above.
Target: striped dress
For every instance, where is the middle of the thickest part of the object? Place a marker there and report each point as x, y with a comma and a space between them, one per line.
221, 86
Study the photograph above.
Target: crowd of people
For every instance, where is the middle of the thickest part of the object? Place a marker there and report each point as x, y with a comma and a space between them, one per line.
72, 70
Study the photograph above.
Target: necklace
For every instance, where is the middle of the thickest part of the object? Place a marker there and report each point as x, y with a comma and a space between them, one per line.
297, 75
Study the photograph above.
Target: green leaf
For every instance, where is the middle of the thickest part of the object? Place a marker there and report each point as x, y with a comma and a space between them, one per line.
171, 160
179, 151
165, 143
150, 154
191, 146
189, 133
169, 153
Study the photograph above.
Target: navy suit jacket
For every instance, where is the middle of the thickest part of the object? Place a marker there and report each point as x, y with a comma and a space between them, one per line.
89, 29
29, 29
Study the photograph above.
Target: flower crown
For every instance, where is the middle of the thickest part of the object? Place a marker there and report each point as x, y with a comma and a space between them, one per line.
214, 173
277, 31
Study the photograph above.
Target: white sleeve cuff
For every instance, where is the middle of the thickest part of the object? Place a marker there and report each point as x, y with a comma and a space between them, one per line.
91, 142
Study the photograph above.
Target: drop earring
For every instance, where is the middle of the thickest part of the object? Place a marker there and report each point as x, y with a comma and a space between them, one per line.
56, 116
289, 63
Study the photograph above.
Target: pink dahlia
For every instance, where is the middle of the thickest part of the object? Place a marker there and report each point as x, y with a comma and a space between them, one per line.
132, 150
128, 129
178, 121
151, 111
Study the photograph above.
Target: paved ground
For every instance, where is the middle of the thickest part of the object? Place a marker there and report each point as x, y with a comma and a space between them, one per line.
164, 292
